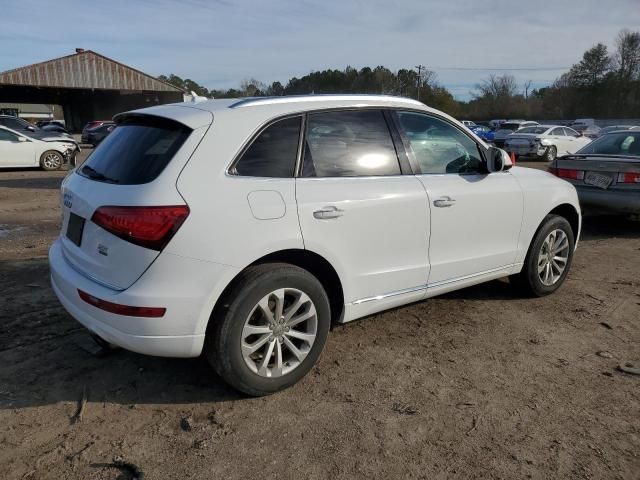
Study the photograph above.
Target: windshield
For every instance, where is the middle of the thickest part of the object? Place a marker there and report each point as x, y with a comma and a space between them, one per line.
614, 144
536, 130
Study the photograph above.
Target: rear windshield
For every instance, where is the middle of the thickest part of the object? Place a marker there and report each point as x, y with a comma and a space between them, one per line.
614, 144
136, 151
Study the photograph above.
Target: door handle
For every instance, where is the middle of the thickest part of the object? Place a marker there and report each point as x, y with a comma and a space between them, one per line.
444, 202
328, 212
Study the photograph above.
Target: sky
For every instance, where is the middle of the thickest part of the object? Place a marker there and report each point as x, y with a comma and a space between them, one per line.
218, 43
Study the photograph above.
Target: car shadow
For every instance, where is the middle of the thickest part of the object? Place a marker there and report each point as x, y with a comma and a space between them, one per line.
44, 182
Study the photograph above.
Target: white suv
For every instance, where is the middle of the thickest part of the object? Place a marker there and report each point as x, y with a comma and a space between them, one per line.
244, 228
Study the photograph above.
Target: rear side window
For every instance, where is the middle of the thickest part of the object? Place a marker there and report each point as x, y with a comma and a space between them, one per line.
273, 153
136, 152
349, 144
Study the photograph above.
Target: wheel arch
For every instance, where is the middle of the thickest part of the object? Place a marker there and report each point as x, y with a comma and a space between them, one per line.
308, 260
568, 211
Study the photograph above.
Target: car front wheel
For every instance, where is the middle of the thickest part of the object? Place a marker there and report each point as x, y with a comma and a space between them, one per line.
51, 160
270, 329
551, 153
549, 258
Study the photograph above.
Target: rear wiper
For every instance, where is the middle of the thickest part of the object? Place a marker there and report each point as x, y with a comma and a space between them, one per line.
93, 174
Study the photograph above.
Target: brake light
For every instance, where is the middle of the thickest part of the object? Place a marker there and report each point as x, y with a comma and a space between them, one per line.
629, 177
149, 227
567, 173
148, 312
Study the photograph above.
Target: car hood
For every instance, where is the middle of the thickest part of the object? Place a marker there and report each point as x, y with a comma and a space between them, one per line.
50, 136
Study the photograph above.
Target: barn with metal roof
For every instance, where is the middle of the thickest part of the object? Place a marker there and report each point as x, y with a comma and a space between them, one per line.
87, 85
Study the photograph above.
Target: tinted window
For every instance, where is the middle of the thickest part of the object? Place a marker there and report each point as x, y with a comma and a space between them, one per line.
8, 136
614, 144
136, 152
536, 130
438, 146
349, 144
273, 153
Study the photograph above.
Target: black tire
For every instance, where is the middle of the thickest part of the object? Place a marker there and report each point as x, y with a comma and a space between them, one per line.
224, 336
551, 153
528, 280
51, 160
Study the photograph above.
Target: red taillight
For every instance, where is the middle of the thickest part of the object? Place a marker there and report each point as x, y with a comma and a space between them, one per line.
148, 312
629, 177
149, 227
567, 173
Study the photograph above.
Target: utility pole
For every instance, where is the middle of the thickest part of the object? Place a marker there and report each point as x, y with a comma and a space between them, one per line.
420, 68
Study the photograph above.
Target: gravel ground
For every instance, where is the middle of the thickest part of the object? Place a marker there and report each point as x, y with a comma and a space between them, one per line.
479, 383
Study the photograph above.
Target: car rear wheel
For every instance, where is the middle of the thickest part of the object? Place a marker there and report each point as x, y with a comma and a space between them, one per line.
270, 330
549, 258
51, 160
551, 153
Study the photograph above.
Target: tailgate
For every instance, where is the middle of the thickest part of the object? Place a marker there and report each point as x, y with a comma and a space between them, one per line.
132, 167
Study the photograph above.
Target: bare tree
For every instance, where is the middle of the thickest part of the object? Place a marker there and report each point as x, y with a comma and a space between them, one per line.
627, 56
527, 86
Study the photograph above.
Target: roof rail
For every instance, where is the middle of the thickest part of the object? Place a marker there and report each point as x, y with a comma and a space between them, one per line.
246, 102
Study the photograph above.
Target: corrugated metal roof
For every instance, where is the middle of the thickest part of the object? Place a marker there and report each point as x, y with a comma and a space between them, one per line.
85, 69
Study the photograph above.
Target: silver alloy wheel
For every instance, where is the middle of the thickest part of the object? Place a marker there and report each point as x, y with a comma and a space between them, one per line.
551, 153
279, 332
553, 257
52, 160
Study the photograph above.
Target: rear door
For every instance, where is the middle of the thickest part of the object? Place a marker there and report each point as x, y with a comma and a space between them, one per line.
475, 215
136, 166
358, 210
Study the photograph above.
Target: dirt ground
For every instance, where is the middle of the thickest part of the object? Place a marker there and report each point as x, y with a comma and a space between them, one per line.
479, 383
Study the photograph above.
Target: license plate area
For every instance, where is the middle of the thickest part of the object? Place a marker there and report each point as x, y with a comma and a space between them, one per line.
598, 180
75, 227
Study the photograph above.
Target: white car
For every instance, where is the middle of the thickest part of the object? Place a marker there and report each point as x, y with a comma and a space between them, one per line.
244, 228
18, 150
545, 141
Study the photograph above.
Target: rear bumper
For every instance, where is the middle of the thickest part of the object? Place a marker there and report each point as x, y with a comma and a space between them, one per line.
526, 150
189, 300
610, 200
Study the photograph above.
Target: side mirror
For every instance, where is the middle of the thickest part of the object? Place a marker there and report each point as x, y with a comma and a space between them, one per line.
498, 160
22, 139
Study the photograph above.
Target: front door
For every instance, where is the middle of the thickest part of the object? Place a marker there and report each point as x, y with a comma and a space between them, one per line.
15, 153
475, 215
358, 210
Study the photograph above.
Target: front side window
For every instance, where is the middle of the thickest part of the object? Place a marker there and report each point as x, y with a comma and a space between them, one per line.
6, 136
349, 144
438, 146
273, 153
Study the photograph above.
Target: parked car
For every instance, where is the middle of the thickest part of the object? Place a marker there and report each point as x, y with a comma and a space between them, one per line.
247, 237
544, 141
483, 132
44, 123
93, 136
94, 124
507, 128
468, 123
494, 124
580, 124
20, 150
25, 128
54, 127
592, 131
606, 173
